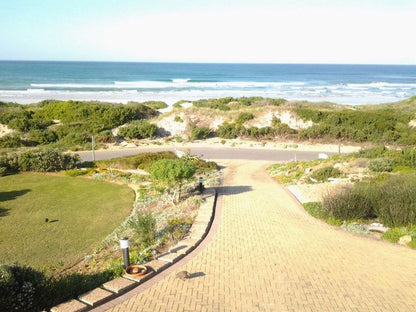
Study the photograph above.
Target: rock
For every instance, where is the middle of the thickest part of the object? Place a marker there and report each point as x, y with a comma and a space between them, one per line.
322, 156
376, 228
404, 240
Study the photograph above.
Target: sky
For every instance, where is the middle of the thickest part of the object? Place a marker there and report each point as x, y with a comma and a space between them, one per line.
256, 31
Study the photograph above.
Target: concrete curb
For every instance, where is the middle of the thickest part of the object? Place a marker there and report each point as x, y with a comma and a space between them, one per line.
119, 286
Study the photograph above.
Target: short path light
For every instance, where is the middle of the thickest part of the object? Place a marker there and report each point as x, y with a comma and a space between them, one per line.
124, 244
201, 184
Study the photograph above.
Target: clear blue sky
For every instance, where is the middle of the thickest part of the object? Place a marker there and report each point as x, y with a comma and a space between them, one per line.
277, 31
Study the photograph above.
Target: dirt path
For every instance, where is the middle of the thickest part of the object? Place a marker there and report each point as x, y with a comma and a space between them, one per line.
269, 255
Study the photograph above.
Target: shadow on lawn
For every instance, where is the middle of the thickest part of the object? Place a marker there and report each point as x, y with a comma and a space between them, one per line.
4, 212
5, 196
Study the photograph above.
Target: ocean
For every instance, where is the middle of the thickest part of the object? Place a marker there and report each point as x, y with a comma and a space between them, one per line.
33, 81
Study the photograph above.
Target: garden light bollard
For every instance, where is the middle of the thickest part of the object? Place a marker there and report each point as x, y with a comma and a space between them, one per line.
201, 184
124, 244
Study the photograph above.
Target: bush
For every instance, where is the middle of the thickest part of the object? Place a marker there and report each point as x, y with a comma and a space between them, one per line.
393, 235
375, 152
41, 137
145, 227
392, 200
155, 104
138, 130
47, 161
25, 289
349, 203
173, 173
199, 133
139, 161
380, 165
178, 228
396, 205
105, 136
19, 288
10, 141
244, 117
178, 119
324, 173
221, 104
228, 131
409, 157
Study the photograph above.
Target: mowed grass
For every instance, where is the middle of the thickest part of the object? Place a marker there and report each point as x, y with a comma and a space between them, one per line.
81, 213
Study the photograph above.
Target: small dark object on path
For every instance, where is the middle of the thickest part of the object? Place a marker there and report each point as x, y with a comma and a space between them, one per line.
46, 220
182, 275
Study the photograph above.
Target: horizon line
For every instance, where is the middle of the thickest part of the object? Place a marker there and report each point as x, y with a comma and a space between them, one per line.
208, 62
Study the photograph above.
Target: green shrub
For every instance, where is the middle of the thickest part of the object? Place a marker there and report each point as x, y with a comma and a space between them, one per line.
79, 172
19, 287
178, 228
315, 209
178, 119
380, 165
138, 130
144, 225
221, 104
393, 234
396, 205
155, 104
322, 174
172, 173
10, 141
199, 133
46, 161
41, 137
228, 131
375, 152
141, 161
244, 117
349, 203
105, 136
25, 289
409, 157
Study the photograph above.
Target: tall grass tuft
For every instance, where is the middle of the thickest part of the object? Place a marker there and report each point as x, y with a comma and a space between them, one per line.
392, 200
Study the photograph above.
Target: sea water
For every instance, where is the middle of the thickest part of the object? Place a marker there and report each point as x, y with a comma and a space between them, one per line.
33, 81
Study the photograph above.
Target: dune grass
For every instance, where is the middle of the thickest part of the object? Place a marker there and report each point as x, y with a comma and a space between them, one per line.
81, 213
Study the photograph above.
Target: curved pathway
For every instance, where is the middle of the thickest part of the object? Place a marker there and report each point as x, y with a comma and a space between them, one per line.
269, 255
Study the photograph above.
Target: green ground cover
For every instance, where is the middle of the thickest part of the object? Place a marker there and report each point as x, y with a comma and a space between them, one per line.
81, 213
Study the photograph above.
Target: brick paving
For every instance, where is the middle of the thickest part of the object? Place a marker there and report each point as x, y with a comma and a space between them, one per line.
269, 255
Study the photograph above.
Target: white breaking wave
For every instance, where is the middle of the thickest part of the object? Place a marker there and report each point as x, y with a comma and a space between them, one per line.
180, 80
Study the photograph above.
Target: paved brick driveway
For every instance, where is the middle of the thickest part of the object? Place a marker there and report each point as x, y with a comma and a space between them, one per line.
269, 255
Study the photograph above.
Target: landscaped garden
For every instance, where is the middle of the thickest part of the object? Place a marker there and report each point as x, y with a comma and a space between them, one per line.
370, 192
61, 224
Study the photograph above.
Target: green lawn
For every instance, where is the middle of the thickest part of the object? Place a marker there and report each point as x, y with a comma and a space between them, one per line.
81, 213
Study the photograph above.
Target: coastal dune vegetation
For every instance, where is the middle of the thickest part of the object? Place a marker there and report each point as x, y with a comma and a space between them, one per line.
72, 124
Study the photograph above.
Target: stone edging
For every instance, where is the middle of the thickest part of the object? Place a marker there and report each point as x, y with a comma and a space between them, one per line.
116, 287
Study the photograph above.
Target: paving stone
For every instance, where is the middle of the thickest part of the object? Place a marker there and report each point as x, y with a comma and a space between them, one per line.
170, 257
157, 265
141, 278
119, 285
96, 296
70, 306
